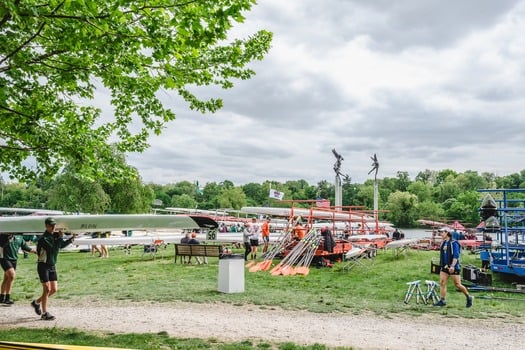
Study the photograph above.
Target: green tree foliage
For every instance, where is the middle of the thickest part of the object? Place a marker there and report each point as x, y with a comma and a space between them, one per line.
430, 211
210, 196
129, 195
465, 207
183, 201
71, 193
422, 190
255, 193
402, 207
365, 195
55, 54
232, 197
422, 200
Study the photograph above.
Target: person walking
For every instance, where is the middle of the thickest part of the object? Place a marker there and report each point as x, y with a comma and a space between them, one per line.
449, 253
265, 232
9, 245
47, 250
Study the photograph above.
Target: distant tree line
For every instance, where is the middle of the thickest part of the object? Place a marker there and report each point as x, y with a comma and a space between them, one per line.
444, 195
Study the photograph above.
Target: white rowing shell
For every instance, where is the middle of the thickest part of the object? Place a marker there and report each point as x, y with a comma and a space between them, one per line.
91, 223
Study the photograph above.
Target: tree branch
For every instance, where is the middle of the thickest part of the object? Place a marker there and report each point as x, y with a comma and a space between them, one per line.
39, 30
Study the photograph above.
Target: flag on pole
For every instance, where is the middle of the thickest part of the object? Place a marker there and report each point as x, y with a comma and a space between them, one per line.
322, 203
276, 194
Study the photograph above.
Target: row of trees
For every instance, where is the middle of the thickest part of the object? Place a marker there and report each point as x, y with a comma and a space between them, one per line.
443, 195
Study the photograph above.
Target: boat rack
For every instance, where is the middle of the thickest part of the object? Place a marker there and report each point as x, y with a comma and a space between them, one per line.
507, 252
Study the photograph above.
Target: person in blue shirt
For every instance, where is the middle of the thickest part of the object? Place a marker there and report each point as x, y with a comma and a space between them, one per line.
449, 253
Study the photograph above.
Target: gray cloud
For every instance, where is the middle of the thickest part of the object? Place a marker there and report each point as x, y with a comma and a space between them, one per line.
424, 84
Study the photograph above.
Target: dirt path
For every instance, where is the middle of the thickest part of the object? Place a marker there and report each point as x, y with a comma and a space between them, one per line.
229, 323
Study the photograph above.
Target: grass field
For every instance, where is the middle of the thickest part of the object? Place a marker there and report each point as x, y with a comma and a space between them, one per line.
379, 288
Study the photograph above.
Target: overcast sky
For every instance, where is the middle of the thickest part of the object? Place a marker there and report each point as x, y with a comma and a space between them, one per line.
424, 84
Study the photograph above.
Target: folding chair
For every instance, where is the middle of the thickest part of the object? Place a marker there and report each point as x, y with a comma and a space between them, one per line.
153, 248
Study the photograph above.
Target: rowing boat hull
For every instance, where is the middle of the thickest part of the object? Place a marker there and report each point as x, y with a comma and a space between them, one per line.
93, 223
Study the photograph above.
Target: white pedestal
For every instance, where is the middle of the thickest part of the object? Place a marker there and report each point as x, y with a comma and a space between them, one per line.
231, 275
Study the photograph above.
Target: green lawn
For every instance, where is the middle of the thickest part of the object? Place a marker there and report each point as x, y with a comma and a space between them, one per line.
380, 288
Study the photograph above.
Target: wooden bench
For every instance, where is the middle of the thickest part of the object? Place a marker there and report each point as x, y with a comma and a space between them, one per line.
197, 250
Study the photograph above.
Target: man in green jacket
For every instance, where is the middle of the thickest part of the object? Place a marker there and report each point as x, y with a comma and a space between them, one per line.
9, 245
47, 250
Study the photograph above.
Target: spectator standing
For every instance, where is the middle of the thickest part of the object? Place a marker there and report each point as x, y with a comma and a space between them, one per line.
246, 234
265, 232
254, 238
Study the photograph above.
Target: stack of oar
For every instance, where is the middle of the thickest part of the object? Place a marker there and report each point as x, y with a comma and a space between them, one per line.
307, 246
277, 247
303, 266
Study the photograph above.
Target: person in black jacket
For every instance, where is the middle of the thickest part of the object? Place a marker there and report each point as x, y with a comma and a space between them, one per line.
328, 239
47, 250
9, 245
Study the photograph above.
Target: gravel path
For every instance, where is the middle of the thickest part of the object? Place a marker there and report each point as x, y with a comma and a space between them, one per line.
233, 323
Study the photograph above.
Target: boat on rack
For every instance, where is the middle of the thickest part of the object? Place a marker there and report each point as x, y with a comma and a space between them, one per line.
350, 226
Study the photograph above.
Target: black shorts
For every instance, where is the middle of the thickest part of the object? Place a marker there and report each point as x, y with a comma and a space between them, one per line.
8, 264
254, 242
446, 270
47, 273
266, 239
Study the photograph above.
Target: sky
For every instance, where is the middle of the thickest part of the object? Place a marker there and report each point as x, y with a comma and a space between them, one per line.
423, 84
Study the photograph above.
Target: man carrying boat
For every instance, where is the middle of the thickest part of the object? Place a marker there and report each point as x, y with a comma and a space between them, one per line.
47, 250
9, 246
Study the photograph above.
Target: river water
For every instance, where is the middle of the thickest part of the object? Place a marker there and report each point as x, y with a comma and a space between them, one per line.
416, 233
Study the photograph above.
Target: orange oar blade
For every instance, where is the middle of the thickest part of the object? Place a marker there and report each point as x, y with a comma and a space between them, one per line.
255, 267
250, 263
276, 270
266, 265
276, 267
285, 271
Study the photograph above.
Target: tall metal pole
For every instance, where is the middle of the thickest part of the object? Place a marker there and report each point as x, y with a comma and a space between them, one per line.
338, 191
338, 186
375, 167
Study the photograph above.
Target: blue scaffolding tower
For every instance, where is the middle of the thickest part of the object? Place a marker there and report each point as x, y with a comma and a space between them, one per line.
507, 252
